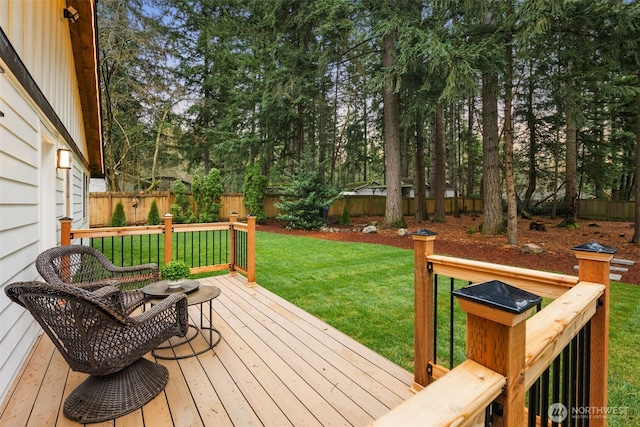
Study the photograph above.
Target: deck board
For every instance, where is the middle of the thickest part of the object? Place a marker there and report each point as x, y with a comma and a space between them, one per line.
276, 365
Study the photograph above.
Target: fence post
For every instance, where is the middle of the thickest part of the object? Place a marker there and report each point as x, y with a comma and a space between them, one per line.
423, 246
496, 338
233, 218
594, 262
168, 229
251, 250
65, 231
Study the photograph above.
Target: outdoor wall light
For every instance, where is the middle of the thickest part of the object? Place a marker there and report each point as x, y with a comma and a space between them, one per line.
64, 159
71, 14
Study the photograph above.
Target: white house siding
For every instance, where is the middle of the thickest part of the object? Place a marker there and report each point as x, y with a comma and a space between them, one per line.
33, 193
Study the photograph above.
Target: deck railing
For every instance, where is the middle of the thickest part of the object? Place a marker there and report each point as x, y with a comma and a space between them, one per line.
555, 360
204, 247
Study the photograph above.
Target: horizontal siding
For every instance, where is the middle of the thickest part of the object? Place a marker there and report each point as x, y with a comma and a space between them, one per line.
32, 192
40, 35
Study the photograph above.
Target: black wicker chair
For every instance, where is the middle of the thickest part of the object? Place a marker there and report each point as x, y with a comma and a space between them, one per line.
90, 269
95, 337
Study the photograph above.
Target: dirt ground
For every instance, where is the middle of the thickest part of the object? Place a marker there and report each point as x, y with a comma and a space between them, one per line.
453, 239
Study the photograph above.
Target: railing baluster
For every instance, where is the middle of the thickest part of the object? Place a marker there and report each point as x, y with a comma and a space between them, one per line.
543, 407
533, 404
451, 298
435, 319
555, 387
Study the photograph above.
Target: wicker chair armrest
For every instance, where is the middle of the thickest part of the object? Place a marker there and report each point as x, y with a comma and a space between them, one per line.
113, 294
107, 291
151, 268
179, 300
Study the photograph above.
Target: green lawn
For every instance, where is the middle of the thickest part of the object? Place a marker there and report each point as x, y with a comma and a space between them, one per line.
366, 291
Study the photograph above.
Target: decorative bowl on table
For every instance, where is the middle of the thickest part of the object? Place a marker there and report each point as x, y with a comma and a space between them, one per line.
175, 284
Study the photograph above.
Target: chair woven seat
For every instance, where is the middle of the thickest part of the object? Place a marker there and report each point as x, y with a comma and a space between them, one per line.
88, 268
94, 336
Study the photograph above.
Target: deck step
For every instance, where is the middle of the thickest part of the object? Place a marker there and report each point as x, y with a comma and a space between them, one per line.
612, 276
622, 261
618, 269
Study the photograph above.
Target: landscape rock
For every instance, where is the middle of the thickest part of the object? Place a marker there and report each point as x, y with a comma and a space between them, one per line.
531, 248
370, 229
403, 232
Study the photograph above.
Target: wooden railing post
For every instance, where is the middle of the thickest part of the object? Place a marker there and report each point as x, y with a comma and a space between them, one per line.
594, 262
423, 246
168, 229
496, 339
251, 250
233, 218
65, 231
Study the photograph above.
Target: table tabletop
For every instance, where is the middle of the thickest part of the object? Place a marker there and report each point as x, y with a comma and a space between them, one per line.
196, 293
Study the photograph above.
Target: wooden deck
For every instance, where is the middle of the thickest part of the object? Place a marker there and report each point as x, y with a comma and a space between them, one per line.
276, 365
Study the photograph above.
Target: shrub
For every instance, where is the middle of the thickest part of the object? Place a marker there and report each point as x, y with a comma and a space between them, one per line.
345, 219
306, 198
154, 216
181, 209
118, 219
174, 270
207, 192
255, 189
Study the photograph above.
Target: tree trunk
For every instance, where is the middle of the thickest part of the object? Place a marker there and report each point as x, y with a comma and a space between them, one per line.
556, 172
441, 174
636, 234
393, 215
570, 198
492, 194
533, 148
470, 157
512, 203
156, 149
420, 180
452, 133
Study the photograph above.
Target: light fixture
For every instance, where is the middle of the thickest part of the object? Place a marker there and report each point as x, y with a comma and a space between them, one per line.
64, 159
71, 14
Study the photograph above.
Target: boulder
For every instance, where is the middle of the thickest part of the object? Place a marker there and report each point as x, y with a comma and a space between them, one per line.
531, 248
370, 229
403, 232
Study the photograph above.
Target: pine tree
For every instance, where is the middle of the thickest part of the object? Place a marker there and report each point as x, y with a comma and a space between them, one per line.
118, 219
154, 216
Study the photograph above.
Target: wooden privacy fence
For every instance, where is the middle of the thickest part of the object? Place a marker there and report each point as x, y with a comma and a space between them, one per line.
137, 206
610, 210
556, 360
204, 247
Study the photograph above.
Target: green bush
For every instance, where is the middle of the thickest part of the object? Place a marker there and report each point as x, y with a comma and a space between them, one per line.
181, 209
306, 198
118, 219
174, 270
255, 190
345, 219
207, 192
154, 216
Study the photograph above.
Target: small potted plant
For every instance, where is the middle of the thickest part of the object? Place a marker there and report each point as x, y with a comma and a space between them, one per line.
174, 272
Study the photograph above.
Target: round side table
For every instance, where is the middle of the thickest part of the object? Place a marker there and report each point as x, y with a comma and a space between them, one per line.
196, 294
